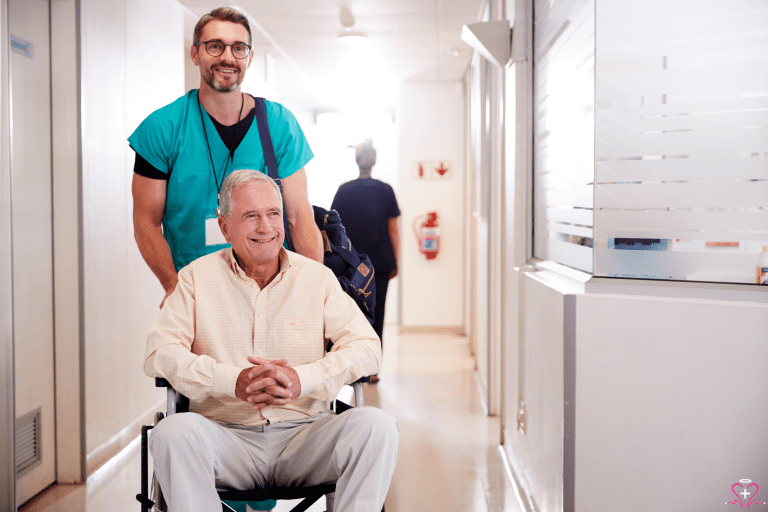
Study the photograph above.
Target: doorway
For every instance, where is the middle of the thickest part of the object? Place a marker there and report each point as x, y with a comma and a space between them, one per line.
32, 244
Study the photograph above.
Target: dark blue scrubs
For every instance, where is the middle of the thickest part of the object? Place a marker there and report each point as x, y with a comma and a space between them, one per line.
365, 206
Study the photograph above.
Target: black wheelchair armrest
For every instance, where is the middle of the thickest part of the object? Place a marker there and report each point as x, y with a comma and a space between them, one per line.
176, 402
162, 383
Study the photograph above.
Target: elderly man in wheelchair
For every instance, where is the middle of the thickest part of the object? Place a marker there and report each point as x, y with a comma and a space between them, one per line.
244, 336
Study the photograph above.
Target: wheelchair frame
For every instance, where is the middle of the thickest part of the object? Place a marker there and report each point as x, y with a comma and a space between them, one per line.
176, 402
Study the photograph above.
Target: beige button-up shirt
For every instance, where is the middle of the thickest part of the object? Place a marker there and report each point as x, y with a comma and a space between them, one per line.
217, 316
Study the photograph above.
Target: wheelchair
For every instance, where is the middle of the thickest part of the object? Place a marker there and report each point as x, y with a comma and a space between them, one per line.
176, 403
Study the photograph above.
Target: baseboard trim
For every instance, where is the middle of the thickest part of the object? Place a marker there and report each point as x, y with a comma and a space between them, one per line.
522, 492
482, 393
415, 329
119, 441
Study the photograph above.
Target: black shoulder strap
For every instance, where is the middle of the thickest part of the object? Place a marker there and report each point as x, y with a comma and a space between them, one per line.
269, 160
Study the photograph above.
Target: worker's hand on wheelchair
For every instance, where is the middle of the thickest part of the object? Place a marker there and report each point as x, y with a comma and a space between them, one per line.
268, 382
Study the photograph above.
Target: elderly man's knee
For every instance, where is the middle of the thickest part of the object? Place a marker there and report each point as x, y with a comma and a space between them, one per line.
179, 432
383, 428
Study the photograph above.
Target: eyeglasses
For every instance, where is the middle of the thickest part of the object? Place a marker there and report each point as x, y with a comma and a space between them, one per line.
216, 48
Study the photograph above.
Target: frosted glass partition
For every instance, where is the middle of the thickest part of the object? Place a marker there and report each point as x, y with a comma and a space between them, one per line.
564, 93
681, 139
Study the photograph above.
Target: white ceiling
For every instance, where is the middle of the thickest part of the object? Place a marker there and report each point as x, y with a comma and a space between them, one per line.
410, 40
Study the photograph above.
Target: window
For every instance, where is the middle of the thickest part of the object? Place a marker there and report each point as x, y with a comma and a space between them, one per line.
564, 130
681, 139
651, 137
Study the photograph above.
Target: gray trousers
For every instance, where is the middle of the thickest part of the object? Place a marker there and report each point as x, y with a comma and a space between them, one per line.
193, 456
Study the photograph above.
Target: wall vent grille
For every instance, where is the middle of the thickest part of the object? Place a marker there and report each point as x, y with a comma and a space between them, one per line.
28, 442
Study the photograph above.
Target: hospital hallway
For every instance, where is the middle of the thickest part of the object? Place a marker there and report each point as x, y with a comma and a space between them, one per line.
449, 457
574, 192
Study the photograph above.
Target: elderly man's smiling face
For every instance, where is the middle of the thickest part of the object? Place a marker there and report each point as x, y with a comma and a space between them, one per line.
255, 224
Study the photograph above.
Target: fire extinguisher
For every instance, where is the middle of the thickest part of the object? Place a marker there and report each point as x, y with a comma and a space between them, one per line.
428, 235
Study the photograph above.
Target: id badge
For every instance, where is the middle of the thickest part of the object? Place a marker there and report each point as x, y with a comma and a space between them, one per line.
213, 234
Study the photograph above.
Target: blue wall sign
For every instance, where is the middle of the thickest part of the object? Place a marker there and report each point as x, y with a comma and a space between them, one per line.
22, 47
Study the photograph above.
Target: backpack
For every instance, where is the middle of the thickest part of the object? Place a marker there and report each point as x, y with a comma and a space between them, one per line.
353, 270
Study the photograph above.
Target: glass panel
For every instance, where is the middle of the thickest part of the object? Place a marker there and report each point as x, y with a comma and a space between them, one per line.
564, 89
681, 139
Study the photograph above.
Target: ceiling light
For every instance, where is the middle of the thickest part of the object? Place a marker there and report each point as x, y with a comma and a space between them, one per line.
353, 38
458, 52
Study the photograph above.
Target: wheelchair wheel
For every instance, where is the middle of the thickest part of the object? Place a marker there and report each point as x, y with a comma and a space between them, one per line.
157, 492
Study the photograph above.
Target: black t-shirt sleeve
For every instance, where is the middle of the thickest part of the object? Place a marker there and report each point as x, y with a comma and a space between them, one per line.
392, 210
144, 168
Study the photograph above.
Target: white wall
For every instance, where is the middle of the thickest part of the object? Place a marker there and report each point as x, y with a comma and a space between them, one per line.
432, 128
538, 453
191, 72
671, 401
132, 63
666, 390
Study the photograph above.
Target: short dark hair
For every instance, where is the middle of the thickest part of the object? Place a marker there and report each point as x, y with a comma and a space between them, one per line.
222, 14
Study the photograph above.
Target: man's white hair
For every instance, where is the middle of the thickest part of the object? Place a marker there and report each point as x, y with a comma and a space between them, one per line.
240, 177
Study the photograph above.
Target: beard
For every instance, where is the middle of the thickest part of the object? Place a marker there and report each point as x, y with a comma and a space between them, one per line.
208, 78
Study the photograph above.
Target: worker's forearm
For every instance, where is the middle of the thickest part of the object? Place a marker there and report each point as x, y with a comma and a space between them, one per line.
396, 250
394, 237
306, 238
155, 251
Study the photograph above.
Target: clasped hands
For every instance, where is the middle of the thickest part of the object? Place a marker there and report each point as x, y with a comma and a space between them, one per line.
267, 382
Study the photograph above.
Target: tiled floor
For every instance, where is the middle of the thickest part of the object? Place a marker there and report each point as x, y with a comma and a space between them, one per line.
448, 459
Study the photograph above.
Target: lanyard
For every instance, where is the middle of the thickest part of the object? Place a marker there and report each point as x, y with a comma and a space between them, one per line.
231, 147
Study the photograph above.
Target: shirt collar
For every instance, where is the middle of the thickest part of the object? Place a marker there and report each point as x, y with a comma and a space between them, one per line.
234, 266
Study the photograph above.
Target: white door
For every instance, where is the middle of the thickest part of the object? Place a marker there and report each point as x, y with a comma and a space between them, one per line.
32, 244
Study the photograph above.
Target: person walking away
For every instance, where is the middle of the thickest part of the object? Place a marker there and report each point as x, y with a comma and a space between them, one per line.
369, 211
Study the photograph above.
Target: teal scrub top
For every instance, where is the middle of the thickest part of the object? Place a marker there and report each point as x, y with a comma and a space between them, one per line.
172, 139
